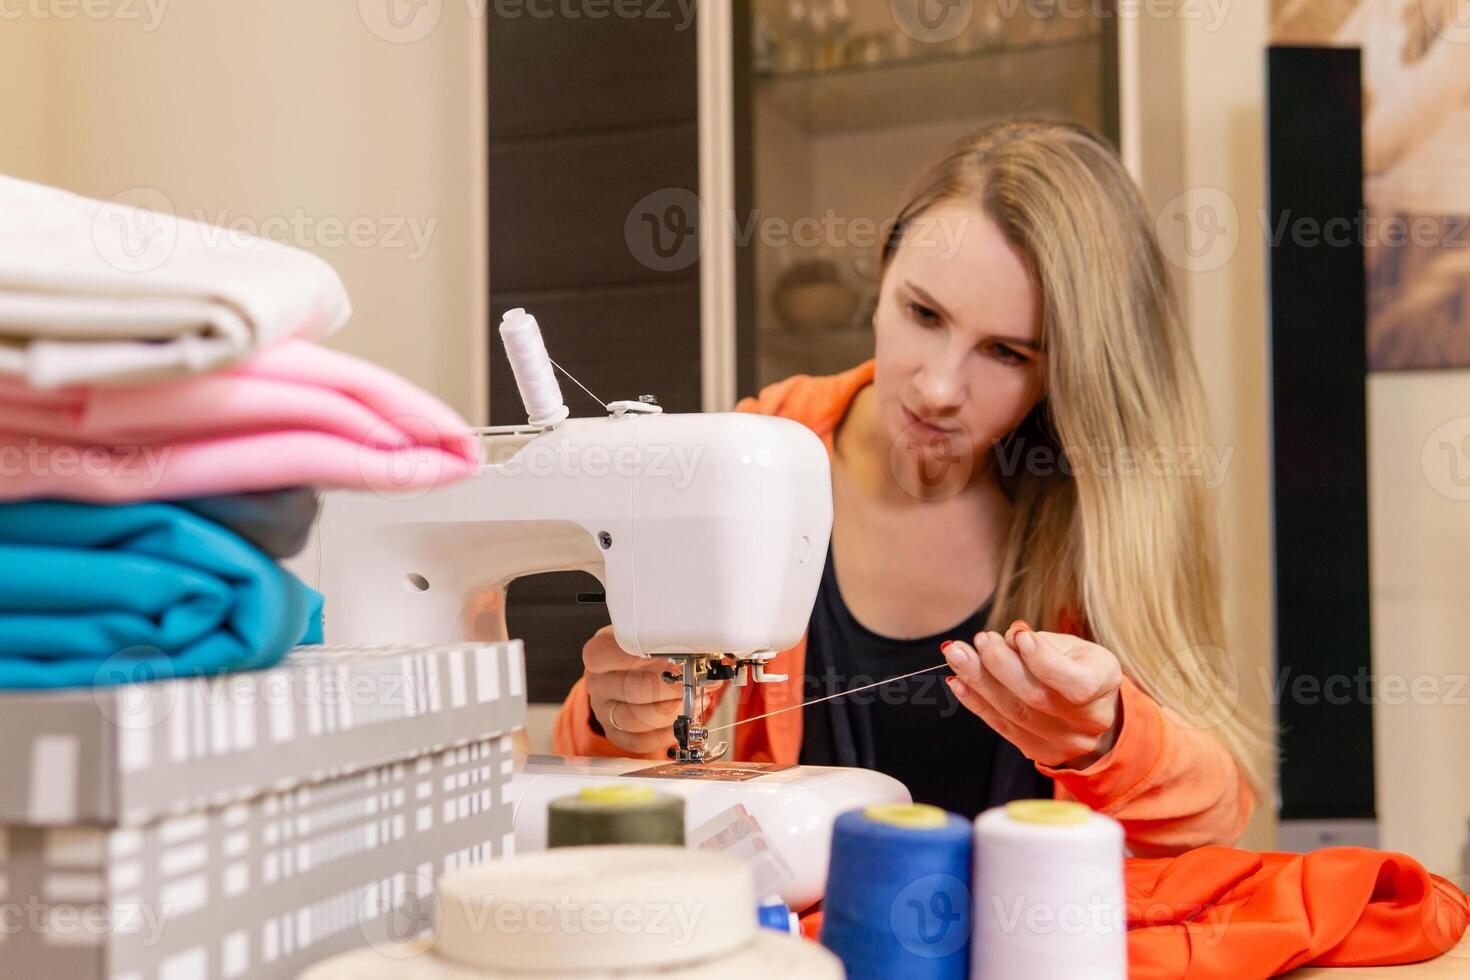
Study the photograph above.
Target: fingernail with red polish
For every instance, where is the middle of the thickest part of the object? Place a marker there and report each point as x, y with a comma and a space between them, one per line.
963, 657
944, 647
1023, 624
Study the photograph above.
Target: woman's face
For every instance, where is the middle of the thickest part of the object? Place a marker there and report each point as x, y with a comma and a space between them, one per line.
958, 327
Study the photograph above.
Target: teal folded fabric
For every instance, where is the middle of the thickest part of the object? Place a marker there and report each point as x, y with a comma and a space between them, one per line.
98, 595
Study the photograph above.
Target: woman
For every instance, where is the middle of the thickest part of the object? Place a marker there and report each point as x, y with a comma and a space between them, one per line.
1024, 307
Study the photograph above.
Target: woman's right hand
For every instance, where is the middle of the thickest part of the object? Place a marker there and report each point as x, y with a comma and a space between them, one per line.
635, 705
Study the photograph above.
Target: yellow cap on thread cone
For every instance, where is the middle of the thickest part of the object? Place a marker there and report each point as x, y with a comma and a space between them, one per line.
1054, 813
911, 816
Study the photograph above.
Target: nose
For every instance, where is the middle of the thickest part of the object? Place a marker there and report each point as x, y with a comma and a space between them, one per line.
940, 383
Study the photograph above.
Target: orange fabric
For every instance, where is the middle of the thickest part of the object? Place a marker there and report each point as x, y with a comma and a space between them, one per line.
1221, 913
811, 924
1171, 786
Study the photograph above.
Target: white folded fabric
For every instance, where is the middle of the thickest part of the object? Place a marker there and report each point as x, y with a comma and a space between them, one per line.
98, 292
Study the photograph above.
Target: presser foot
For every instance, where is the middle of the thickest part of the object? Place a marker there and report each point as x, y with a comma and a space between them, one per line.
698, 670
694, 745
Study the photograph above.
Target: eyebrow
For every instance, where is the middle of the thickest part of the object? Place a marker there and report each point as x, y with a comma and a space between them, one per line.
938, 307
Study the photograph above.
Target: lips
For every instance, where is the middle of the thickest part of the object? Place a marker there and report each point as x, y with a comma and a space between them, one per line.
939, 427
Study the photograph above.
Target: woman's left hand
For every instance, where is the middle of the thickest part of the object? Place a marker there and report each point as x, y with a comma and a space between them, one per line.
1052, 695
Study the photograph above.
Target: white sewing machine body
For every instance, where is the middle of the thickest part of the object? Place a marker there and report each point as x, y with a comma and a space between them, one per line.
708, 533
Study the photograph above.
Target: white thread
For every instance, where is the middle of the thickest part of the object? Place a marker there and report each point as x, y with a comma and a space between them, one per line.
590, 394
1049, 899
535, 377
829, 697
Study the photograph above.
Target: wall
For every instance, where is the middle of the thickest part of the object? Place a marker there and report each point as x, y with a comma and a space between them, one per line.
1419, 522
22, 82
295, 118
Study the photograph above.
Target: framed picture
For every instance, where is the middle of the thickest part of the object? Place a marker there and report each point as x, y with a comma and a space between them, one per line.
1415, 228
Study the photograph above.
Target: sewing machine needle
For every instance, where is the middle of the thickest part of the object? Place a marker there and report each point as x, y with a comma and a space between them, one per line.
829, 697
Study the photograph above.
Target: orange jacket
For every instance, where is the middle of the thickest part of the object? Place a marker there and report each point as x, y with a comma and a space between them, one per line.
1173, 787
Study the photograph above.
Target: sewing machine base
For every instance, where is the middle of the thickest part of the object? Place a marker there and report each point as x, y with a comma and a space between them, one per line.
795, 805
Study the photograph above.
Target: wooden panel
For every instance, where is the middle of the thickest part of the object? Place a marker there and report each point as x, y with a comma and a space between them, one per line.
555, 74
621, 342
743, 106
589, 117
559, 208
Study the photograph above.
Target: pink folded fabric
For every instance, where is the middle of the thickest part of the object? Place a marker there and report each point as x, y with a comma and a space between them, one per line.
296, 414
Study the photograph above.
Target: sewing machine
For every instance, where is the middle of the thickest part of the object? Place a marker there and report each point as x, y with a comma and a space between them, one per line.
708, 534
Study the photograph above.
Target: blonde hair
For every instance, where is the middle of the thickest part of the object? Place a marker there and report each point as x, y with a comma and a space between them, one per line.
1133, 556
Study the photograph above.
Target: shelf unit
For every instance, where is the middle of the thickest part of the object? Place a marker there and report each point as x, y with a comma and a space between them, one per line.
1050, 77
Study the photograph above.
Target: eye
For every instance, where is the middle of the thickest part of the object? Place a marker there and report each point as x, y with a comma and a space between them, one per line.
921, 313
1007, 354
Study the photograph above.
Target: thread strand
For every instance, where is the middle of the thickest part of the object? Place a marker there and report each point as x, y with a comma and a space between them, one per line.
573, 377
829, 697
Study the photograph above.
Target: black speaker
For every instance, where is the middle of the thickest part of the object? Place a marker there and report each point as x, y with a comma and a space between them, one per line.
1322, 682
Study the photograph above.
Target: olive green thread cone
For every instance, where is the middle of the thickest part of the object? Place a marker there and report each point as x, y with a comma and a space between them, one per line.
621, 813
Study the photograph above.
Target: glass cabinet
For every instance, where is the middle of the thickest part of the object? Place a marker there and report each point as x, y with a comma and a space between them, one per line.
847, 100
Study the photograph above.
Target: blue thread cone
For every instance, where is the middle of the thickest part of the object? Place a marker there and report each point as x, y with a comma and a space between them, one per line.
898, 898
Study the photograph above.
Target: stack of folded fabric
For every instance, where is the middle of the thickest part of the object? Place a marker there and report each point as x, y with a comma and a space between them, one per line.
164, 430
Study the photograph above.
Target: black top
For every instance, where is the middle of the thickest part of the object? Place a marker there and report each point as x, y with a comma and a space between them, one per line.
914, 730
